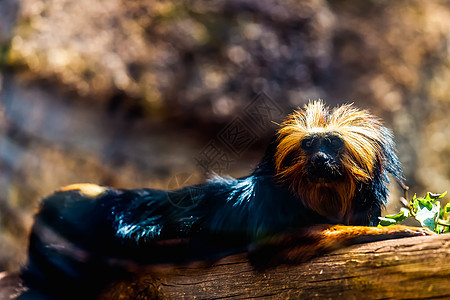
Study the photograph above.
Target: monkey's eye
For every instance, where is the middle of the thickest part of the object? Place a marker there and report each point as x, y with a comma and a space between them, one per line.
335, 142
307, 143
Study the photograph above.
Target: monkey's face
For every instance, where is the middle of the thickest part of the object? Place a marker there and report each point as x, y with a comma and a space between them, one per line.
323, 153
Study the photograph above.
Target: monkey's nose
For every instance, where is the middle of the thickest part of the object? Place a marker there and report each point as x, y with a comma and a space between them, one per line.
319, 159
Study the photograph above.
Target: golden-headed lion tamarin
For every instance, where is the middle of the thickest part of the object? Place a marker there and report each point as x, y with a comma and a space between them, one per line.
322, 180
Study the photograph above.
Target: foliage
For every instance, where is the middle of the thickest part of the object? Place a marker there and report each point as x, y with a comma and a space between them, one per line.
427, 211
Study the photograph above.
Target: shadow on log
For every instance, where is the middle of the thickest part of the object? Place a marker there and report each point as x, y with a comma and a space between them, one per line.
412, 268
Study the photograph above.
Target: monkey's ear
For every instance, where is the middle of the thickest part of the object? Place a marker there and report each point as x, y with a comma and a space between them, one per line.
390, 160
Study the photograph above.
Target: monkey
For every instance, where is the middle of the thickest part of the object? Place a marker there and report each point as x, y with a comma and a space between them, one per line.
320, 186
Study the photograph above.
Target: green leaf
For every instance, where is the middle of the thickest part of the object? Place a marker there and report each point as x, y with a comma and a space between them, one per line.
428, 213
447, 208
433, 196
395, 219
402, 215
414, 203
386, 221
424, 203
406, 212
444, 222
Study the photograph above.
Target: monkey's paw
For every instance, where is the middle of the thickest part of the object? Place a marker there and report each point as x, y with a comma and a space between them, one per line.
408, 231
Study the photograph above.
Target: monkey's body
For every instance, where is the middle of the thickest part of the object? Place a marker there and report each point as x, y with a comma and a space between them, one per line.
92, 237
84, 237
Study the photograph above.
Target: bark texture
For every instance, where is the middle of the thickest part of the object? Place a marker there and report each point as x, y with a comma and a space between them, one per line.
409, 268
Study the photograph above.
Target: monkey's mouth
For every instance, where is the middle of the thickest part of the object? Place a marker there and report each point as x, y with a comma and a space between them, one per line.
324, 173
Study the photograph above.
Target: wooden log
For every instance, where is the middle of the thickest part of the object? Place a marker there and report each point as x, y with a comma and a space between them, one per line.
409, 268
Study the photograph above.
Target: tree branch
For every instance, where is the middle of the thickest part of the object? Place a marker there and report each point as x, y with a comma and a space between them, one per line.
417, 267
412, 268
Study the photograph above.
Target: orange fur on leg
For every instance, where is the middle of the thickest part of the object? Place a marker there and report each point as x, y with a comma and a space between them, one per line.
316, 240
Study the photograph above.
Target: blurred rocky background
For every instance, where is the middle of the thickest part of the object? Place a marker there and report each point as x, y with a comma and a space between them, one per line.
142, 93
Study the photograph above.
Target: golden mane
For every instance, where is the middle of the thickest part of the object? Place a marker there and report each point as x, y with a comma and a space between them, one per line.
362, 138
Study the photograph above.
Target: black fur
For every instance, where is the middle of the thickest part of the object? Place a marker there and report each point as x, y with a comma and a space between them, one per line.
79, 244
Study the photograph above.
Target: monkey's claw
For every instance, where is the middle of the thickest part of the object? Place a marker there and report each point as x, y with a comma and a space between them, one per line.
420, 231
408, 231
